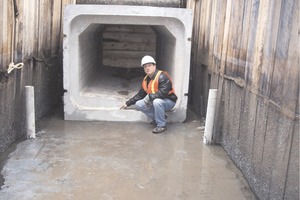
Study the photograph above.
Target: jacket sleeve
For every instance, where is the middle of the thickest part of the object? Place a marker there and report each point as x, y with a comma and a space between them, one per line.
164, 87
140, 95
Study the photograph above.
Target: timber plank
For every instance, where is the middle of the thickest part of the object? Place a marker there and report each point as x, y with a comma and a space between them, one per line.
194, 47
130, 29
35, 26
224, 68
232, 129
280, 67
269, 150
265, 44
212, 31
129, 46
128, 37
35, 10
127, 54
237, 36
19, 32
270, 43
218, 128
226, 127
202, 10
56, 27
219, 36
291, 190
122, 62
48, 11
262, 20
41, 27
291, 82
261, 117
7, 32
251, 43
282, 154
245, 35
238, 142
25, 25
234, 35
202, 53
207, 25
1, 36
196, 30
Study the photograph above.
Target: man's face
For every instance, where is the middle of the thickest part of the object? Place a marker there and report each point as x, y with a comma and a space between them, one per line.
149, 69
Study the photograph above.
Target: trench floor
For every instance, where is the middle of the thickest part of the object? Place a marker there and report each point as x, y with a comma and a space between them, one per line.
120, 161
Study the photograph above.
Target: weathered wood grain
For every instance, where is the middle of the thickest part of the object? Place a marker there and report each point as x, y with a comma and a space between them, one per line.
252, 51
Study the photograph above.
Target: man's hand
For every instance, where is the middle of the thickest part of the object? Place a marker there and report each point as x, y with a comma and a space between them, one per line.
123, 106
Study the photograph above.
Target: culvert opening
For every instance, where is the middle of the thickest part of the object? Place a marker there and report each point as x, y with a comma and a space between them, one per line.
103, 47
110, 57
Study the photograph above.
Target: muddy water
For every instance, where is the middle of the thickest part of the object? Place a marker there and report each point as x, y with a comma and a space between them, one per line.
120, 161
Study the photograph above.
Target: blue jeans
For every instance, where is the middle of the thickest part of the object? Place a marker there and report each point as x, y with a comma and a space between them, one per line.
156, 110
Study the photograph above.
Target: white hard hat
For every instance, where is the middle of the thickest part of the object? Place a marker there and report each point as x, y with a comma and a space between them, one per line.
147, 59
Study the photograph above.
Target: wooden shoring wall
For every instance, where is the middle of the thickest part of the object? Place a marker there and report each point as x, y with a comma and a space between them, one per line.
251, 50
31, 33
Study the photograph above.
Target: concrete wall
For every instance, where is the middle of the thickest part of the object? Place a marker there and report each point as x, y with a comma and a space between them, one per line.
250, 53
90, 54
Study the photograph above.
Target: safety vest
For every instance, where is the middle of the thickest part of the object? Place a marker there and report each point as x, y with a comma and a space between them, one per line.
152, 87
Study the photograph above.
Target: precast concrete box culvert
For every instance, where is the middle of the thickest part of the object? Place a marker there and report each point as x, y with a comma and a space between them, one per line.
103, 47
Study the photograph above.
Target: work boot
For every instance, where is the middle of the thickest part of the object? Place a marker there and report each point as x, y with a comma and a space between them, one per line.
159, 129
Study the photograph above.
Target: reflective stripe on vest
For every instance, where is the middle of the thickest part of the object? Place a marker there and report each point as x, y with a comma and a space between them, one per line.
152, 87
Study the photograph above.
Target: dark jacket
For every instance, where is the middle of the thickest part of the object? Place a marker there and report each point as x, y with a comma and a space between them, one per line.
164, 87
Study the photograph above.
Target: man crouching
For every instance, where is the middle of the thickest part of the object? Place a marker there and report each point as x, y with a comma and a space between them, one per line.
155, 96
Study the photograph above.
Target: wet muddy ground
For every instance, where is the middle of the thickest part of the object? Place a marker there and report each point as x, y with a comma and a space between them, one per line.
119, 161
